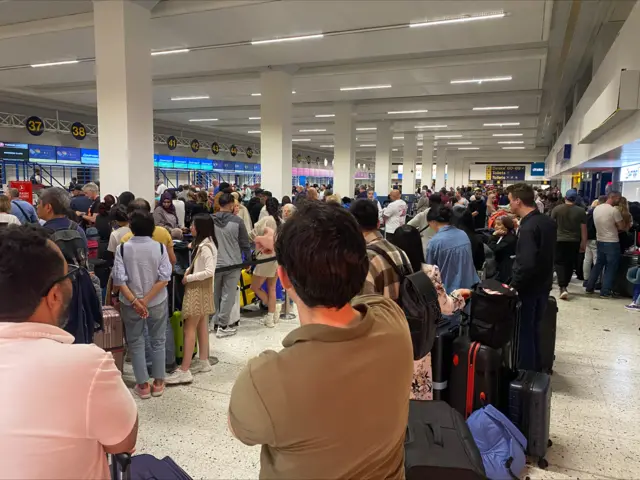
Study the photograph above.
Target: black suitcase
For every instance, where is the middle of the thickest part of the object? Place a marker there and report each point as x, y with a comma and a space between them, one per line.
547, 336
438, 444
530, 410
441, 357
477, 377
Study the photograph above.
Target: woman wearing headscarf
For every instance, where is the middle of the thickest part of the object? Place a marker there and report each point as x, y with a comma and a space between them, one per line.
165, 213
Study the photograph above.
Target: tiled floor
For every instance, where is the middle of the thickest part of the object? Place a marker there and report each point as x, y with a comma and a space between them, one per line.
595, 407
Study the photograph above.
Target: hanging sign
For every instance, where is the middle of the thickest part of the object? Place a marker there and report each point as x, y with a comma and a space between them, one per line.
78, 131
172, 142
35, 126
215, 148
25, 190
233, 150
249, 152
195, 145
506, 172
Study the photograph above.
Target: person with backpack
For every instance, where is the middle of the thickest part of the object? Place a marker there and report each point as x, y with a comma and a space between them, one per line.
591, 250
22, 209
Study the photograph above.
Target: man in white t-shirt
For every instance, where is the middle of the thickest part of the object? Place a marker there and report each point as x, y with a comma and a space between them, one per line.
64, 406
608, 221
394, 214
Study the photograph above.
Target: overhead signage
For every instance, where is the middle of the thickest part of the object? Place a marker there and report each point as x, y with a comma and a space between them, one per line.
180, 163
564, 154
537, 169
227, 166
78, 131
206, 165
630, 173
256, 168
89, 156
215, 148
172, 142
217, 165
165, 161
233, 150
506, 172
42, 154
248, 167
195, 145
249, 152
238, 167
18, 152
35, 126
194, 163
68, 156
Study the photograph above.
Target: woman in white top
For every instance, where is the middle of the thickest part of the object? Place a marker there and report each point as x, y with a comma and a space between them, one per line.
197, 304
5, 212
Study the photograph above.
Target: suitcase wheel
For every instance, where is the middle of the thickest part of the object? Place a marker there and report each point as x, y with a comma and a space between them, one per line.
542, 463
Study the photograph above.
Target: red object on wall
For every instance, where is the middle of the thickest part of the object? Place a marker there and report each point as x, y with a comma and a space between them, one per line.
25, 189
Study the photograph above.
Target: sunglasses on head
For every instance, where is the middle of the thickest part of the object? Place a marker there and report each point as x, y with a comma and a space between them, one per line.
71, 275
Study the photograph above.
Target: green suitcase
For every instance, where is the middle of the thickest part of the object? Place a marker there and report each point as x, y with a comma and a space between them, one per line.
177, 324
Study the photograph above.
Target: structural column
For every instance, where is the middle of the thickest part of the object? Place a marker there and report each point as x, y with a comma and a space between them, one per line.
466, 165
441, 163
124, 94
427, 163
344, 165
383, 159
410, 152
275, 137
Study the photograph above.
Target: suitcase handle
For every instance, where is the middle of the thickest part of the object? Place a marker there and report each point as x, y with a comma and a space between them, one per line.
436, 433
120, 463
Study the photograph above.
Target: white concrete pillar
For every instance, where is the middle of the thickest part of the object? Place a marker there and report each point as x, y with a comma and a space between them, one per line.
427, 163
124, 94
441, 162
344, 138
457, 167
384, 138
275, 136
466, 165
410, 151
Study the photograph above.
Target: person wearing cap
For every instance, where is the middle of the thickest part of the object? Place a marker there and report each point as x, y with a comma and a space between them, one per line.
572, 238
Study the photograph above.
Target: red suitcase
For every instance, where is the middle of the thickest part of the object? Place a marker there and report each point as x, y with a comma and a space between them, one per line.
111, 337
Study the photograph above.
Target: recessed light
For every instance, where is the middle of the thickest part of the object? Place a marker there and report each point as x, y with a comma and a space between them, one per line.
255, 118
368, 145
364, 87
513, 148
287, 39
395, 149
293, 91
398, 138
516, 142
254, 131
300, 139
398, 112
326, 146
507, 107
54, 64
448, 136
326, 115
256, 94
459, 19
431, 126
507, 134
203, 120
193, 97
483, 80
505, 124
312, 130
366, 129
459, 143
169, 52
468, 148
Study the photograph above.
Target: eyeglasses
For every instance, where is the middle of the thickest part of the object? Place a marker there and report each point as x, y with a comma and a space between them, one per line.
71, 275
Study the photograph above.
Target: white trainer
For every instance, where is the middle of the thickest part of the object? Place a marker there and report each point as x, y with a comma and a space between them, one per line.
201, 366
269, 322
178, 377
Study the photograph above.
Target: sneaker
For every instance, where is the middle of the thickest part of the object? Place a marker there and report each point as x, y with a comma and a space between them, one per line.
200, 366
276, 314
589, 292
157, 390
225, 332
178, 377
606, 296
142, 391
564, 295
632, 307
269, 322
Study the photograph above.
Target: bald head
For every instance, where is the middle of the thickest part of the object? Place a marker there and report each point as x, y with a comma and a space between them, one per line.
394, 195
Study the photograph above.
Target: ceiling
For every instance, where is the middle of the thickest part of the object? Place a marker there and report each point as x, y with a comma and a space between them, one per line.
365, 43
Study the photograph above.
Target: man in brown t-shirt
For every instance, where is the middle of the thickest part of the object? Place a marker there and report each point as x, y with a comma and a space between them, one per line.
334, 402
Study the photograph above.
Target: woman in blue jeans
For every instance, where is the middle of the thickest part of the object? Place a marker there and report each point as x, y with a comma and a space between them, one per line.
142, 270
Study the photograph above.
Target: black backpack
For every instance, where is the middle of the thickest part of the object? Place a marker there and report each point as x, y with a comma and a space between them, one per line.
591, 227
418, 300
71, 243
494, 314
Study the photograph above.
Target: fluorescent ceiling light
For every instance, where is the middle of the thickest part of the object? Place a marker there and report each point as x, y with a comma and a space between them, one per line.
506, 124
398, 138
459, 143
460, 19
54, 64
255, 118
507, 134
193, 97
448, 136
368, 145
483, 80
312, 130
256, 94
513, 148
366, 129
326, 146
394, 149
203, 120
511, 142
287, 39
254, 131
468, 148
169, 52
431, 126
508, 107
300, 139
326, 115
364, 87
406, 111
293, 91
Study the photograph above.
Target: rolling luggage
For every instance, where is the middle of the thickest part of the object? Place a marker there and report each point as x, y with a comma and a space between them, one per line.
438, 444
477, 377
247, 296
547, 336
145, 467
111, 337
441, 357
177, 322
530, 410
494, 309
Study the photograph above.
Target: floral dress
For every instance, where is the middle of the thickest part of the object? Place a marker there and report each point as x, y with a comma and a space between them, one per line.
422, 383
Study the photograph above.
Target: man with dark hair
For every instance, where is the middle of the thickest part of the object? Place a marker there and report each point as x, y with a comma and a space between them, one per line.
22, 209
233, 249
94, 411
53, 208
532, 270
299, 403
382, 277
266, 194
160, 234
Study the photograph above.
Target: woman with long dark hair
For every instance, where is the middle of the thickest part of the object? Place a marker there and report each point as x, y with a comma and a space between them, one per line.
198, 304
267, 271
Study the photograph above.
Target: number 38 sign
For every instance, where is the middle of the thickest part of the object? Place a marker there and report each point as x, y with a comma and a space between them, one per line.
35, 126
78, 131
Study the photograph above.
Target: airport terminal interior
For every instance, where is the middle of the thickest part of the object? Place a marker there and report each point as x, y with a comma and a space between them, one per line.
343, 97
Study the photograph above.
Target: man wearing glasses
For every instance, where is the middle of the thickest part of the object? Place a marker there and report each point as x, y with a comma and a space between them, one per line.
68, 405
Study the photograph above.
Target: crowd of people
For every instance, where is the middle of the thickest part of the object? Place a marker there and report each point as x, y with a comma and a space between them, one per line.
341, 260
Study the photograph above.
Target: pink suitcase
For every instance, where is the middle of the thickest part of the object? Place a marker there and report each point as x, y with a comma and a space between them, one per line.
111, 338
